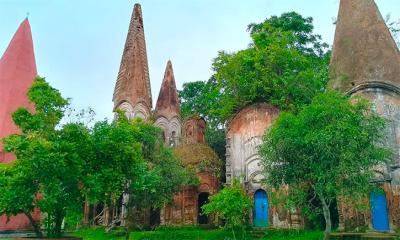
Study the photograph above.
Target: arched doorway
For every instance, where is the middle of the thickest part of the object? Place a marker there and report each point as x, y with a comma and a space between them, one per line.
260, 208
202, 200
379, 213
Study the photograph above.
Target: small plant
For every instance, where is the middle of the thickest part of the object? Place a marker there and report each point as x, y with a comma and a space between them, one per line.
232, 204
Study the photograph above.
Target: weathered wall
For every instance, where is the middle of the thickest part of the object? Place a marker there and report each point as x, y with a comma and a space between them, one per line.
184, 208
197, 156
363, 48
172, 130
244, 135
194, 130
133, 83
18, 222
385, 100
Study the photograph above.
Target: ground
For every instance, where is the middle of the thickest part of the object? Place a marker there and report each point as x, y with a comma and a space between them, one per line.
194, 233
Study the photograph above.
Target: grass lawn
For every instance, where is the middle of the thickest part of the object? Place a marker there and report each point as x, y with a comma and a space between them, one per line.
194, 233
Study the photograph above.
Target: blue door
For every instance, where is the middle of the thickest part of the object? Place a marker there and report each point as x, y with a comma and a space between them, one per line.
260, 208
380, 220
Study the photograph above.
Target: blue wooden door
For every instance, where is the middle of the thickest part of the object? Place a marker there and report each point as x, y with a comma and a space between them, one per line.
380, 220
260, 209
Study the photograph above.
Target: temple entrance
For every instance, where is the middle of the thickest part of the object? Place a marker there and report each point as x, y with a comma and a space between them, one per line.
202, 200
380, 219
260, 208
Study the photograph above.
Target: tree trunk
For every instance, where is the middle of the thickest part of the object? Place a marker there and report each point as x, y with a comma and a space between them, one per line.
327, 216
35, 225
58, 218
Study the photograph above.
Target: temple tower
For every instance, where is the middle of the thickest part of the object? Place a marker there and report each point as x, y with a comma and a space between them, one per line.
132, 91
366, 62
17, 73
167, 113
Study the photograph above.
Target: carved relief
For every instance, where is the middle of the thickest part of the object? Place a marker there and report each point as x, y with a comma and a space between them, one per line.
244, 135
194, 130
172, 130
387, 103
133, 83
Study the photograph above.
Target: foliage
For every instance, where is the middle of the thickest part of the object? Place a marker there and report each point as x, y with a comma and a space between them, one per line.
232, 204
130, 158
48, 173
116, 161
200, 158
165, 174
285, 65
59, 165
202, 99
196, 233
335, 142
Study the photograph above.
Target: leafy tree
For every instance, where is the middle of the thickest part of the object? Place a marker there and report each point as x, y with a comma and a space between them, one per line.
164, 176
117, 160
327, 150
202, 99
48, 172
131, 159
232, 204
286, 65
16, 197
60, 164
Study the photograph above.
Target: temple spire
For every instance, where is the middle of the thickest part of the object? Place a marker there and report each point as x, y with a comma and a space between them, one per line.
168, 101
17, 73
132, 90
364, 51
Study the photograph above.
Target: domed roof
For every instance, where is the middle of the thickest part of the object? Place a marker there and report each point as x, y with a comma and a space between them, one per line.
198, 155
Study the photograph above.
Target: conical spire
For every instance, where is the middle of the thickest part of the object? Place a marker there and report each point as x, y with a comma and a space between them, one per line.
133, 82
364, 52
168, 101
17, 73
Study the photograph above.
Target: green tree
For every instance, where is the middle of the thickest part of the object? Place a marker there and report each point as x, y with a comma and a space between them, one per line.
16, 197
286, 65
231, 204
202, 99
59, 165
327, 150
132, 160
48, 172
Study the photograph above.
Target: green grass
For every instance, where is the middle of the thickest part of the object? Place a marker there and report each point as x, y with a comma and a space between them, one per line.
194, 233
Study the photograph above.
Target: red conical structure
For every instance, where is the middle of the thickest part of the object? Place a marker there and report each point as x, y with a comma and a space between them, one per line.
168, 101
17, 73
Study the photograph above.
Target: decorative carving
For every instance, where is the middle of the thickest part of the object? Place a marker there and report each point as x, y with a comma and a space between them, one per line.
133, 82
194, 130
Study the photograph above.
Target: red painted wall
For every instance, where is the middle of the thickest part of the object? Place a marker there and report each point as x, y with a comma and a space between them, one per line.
17, 73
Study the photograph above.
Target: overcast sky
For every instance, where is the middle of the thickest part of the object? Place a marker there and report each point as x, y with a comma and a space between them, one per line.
78, 43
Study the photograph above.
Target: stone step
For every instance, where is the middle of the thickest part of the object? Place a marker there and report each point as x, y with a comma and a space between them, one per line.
257, 232
363, 236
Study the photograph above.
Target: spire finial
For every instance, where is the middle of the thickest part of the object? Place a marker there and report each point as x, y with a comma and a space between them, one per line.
27, 15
